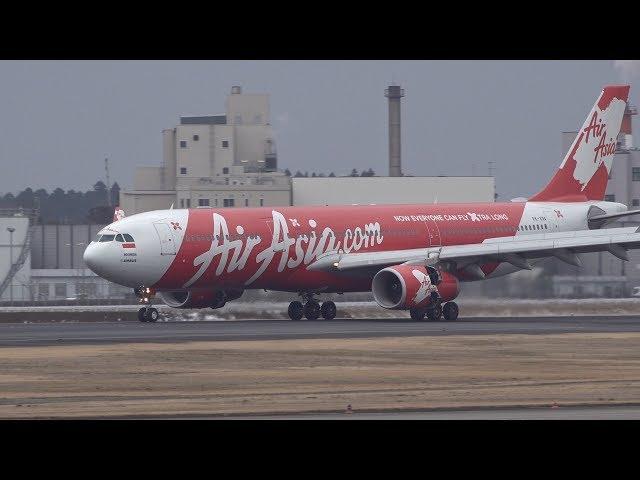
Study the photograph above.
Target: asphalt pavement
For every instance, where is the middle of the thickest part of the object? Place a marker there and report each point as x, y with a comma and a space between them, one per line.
62, 333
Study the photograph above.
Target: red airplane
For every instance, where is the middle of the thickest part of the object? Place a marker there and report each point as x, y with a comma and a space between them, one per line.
411, 257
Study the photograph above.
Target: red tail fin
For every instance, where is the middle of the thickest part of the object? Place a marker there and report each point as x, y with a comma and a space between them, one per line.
118, 214
584, 172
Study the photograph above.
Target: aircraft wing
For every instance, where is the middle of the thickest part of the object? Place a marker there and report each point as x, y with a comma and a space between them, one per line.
513, 249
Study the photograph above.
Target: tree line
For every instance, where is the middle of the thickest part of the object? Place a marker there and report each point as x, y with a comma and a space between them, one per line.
70, 207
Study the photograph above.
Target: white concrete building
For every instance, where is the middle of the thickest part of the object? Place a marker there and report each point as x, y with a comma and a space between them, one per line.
391, 190
221, 160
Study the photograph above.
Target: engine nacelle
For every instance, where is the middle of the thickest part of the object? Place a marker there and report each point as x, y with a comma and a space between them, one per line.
199, 298
408, 286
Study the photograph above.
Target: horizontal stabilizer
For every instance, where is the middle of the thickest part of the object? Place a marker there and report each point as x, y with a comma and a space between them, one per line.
596, 221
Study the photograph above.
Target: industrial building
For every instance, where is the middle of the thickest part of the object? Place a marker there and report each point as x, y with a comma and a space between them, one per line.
230, 160
15, 266
221, 160
43, 263
390, 190
209, 161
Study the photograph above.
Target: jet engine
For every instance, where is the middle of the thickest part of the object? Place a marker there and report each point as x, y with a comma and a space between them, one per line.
199, 298
409, 286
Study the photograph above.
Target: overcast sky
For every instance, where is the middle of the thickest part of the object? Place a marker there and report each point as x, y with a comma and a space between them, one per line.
59, 119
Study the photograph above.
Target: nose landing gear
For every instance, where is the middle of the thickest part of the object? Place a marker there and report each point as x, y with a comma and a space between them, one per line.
146, 313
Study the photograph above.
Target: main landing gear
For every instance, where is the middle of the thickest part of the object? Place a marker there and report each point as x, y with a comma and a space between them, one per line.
311, 309
449, 311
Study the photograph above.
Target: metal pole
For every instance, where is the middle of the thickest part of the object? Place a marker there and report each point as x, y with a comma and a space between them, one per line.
11, 230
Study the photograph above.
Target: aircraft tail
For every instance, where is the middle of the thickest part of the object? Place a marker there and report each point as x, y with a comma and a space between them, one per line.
584, 172
118, 214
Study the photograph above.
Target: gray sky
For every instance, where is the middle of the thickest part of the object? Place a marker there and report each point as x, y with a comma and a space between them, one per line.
59, 119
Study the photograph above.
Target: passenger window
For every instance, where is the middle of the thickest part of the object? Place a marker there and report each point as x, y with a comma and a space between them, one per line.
119, 238
128, 237
107, 238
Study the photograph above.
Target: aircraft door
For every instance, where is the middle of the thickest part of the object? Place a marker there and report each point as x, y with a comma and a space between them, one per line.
433, 234
167, 243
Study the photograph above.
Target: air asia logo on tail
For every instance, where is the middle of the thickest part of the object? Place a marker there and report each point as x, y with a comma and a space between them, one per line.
585, 169
597, 129
596, 141
118, 214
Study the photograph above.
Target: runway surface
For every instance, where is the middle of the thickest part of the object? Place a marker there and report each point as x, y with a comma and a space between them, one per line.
561, 413
15, 334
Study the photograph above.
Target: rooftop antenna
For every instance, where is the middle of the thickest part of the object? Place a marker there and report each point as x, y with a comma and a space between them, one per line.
106, 169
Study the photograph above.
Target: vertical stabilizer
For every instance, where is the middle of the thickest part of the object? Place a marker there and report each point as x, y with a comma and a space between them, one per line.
584, 172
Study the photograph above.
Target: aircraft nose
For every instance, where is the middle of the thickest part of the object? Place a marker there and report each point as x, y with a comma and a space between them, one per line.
91, 258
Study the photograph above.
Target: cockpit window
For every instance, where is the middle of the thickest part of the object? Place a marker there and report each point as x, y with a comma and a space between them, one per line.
107, 238
98, 237
128, 238
119, 238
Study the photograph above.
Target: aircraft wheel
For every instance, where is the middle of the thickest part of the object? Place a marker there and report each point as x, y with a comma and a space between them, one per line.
434, 313
328, 310
450, 311
296, 310
417, 314
152, 315
312, 310
141, 315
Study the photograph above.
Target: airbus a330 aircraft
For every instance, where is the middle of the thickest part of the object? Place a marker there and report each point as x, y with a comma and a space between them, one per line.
411, 257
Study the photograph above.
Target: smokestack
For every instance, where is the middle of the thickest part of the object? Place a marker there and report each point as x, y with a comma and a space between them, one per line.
394, 94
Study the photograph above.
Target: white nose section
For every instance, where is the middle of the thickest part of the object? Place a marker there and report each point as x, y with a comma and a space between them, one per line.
91, 258
103, 259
